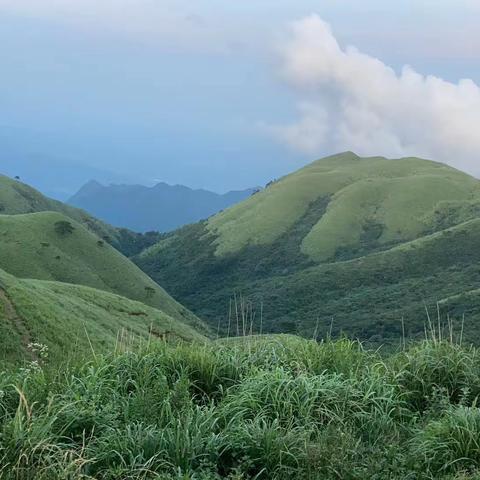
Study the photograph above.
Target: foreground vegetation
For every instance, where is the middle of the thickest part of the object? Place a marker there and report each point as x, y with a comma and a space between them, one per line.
254, 408
71, 320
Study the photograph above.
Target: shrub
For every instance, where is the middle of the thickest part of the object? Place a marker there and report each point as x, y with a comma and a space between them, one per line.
63, 227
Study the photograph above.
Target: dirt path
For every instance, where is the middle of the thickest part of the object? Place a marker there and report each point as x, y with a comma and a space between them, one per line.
17, 321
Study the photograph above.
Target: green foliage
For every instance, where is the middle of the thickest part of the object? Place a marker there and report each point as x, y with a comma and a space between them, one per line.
430, 369
251, 408
452, 442
132, 243
149, 291
63, 227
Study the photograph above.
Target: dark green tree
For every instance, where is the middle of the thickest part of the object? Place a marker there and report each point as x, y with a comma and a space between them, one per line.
62, 227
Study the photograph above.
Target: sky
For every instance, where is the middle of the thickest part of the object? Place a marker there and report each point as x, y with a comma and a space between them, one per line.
223, 95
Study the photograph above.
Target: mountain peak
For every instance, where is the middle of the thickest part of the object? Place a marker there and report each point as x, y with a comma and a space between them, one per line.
90, 186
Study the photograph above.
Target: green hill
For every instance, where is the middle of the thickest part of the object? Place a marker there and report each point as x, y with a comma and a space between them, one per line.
388, 201
17, 198
71, 320
35, 246
360, 242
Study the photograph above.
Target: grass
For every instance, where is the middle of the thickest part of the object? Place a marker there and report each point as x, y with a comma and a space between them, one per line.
400, 195
253, 408
72, 320
400, 206
77, 257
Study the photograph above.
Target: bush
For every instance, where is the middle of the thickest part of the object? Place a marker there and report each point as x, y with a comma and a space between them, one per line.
63, 227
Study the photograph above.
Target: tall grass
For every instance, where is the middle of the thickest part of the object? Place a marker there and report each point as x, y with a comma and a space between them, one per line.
251, 408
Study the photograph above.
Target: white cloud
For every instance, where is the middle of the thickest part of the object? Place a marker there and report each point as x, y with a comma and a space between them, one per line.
352, 101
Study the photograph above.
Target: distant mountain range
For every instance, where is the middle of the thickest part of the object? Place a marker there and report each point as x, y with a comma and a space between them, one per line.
161, 208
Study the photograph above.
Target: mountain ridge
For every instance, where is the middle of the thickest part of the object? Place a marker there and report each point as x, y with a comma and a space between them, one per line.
17, 197
161, 207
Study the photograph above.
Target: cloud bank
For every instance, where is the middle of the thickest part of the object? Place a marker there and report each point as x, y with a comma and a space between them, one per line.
352, 101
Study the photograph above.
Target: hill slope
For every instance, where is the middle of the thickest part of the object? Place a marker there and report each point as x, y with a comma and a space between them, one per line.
161, 207
17, 198
344, 238
389, 201
71, 320
31, 246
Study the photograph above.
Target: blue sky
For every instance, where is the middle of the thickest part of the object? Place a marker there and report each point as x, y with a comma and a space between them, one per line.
196, 92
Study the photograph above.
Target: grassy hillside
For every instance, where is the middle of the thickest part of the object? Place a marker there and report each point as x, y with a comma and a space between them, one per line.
390, 200
71, 320
370, 296
33, 246
358, 242
278, 409
17, 198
